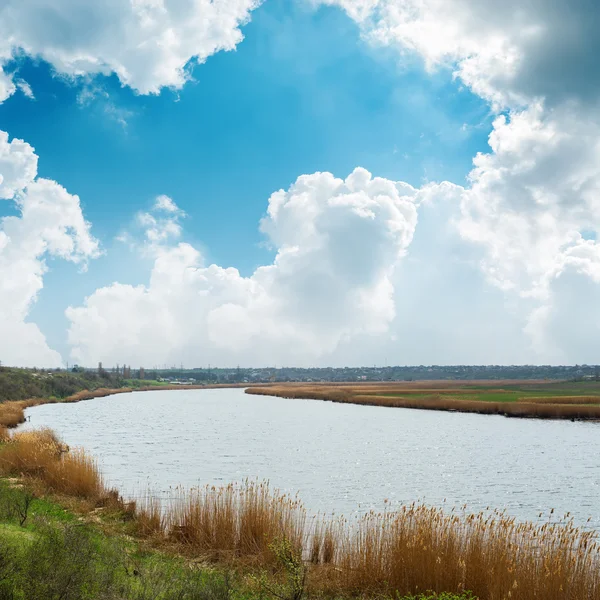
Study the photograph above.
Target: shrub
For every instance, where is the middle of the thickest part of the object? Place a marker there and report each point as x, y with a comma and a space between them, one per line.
67, 563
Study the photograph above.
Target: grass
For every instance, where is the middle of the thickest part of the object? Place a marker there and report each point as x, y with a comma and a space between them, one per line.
284, 553
546, 400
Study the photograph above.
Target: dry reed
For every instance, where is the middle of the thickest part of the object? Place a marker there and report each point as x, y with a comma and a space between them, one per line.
415, 549
523, 408
561, 399
421, 548
40, 454
234, 521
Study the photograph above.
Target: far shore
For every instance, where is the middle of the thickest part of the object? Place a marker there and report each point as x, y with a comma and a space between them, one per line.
12, 412
534, 399
537, 399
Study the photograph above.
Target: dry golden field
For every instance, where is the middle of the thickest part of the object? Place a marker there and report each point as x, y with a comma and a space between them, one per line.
538, 399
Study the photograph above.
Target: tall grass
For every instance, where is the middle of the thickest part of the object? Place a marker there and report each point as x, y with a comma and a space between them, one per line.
235, 521
549, 408
412, 550
563, 399
40, 454
421, 548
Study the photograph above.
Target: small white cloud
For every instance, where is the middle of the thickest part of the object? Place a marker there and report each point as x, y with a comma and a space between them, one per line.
25, 88
166, 204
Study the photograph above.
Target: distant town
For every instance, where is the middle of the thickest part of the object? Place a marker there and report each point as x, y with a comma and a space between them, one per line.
210, 375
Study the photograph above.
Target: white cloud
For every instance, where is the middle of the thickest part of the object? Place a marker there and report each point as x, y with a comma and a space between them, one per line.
509, 52
166, 204
337, 277
18, 166
530, 198
338, 243
50, 223
146, 43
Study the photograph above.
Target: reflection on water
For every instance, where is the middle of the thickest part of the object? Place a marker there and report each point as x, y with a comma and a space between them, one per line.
340, 458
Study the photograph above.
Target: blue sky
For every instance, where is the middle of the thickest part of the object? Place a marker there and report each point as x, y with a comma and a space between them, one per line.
301, 94
308, 90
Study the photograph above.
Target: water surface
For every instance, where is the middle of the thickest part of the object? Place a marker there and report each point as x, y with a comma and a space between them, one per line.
341, 458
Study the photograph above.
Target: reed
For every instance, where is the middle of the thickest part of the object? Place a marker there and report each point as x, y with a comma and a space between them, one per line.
149, 517
98, 393
75, 474
29, 453
421, 548
562, 399
523, 408
12, 413
41, 454
412, 550
234, 521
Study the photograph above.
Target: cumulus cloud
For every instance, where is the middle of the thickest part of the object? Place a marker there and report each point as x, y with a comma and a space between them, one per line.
531, 198
50, 223
337, 245
147, 43
510, 52
18, 166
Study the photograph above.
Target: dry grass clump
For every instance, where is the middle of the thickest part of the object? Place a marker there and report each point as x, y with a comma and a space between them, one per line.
99, 393
30, 453
40, 454
149, 517
234, 521
323, 541
75, 474
421, 548
12, 413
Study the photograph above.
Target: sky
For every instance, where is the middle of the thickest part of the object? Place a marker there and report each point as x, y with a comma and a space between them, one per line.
299, 182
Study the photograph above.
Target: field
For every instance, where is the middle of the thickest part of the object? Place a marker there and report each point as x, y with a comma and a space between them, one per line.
536, 399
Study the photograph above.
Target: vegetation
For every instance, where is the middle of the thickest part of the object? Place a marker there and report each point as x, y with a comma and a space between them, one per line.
539, 399
24, 384
247, 541
23, 388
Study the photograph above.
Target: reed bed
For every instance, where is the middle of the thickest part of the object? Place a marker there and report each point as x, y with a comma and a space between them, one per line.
421, 548
562, 399
41, 454
223, 523
12, 413
412, 550
523, 408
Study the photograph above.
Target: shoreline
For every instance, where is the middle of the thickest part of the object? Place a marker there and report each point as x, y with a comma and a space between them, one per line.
347, 394
12, 412
247, 528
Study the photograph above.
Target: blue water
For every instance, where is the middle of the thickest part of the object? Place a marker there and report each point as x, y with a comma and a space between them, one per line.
339, 457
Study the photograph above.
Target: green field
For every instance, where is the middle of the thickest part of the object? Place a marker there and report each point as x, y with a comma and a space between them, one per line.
507, 392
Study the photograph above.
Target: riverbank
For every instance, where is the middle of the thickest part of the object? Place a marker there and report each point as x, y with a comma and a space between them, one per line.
269, 540
12, 412
57, 552
539, 400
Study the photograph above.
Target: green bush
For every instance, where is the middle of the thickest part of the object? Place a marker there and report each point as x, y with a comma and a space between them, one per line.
67, 563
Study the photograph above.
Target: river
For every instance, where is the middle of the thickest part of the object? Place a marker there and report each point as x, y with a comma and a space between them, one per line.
340, 458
